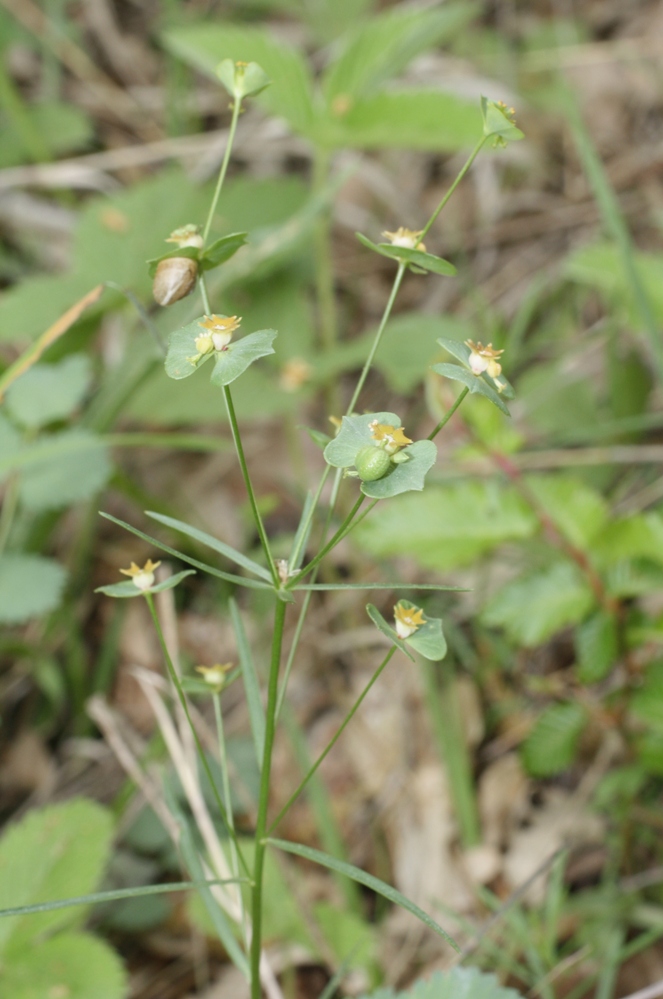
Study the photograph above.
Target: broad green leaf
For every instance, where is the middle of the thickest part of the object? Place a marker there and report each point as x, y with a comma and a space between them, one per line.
355, 434
401, 254
48, 392
578, 511
238, 355
381, 47
251, 683
222, 249
50, 483
635, 537
204, 46
375, 884
29, 585
409, 475
71, 965
457, 983
647, 701
254, 584
386, 629
447, 526
405, 118
533, 608
127, 588
211, 542
475, 383
551, 745
41, 860
597, 648
61, 128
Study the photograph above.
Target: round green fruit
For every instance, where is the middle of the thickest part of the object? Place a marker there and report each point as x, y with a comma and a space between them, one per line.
372, 463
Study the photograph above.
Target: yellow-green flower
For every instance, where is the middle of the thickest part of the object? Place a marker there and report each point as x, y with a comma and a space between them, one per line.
484, 359
408, 620
143, 579
186, 235
215, 676
407, 238
221, 329
390, 438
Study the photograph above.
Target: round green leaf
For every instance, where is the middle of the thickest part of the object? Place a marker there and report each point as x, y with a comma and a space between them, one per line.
239, 354
411, 474
29, 585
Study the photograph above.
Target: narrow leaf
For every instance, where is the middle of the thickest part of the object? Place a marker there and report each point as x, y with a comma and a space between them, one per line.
301, 537
228, 576
211, 542
380, 586
427, 261
251, 683
375, 884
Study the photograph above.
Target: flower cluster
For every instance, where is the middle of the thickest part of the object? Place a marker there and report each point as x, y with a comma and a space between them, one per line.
218, 334
143, 579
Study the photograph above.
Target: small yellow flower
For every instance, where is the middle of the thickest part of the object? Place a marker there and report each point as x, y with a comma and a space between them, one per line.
407, 238
143, 579
295, 373
221, 329
391, 438
508, 112
408, 620
484, 359
186, 235
215, 676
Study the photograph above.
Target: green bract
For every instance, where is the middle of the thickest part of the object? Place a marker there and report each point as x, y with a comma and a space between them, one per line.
419, 260
481, 384
428, 640
408, 470
220, 250
242, 79
498, 123
230, 362
127, 588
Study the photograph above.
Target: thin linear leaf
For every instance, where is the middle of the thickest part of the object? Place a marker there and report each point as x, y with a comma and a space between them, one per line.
127, 588
303, 532
251, 683
228, 576
375, 884
380, 586
211, 542
113, 895
386, 629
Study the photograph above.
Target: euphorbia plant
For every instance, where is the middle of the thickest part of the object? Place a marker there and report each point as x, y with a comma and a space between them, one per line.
373, 448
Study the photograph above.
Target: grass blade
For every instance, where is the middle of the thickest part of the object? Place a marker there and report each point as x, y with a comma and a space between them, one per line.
211, 542
251, 684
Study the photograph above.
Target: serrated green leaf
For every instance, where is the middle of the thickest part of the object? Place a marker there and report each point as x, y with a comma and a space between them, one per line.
127, 588
204, 46
596, 647
457, 983
48, 392
635, 537
52, 482
533, 608
447, 526
551, 745
41, 860
402, 478
75, 965
375, 884
238, 355
386, 629
403, 118
211, 542
222, 249
29, 585
382, 47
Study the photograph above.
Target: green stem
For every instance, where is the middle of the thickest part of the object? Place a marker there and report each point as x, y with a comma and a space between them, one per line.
234, 426
263, 801
378, 336
341, 532
473, 155
175, 680
348, 718
449, 413
225, 778
9, 507
237, 104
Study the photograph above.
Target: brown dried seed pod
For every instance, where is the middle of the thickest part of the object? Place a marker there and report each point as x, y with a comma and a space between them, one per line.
174, 279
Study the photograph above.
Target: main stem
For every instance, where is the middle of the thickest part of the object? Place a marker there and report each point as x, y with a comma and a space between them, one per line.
237, 104
263, 802
378, 336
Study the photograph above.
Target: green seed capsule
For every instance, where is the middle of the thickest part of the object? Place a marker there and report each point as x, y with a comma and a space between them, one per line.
372, 463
